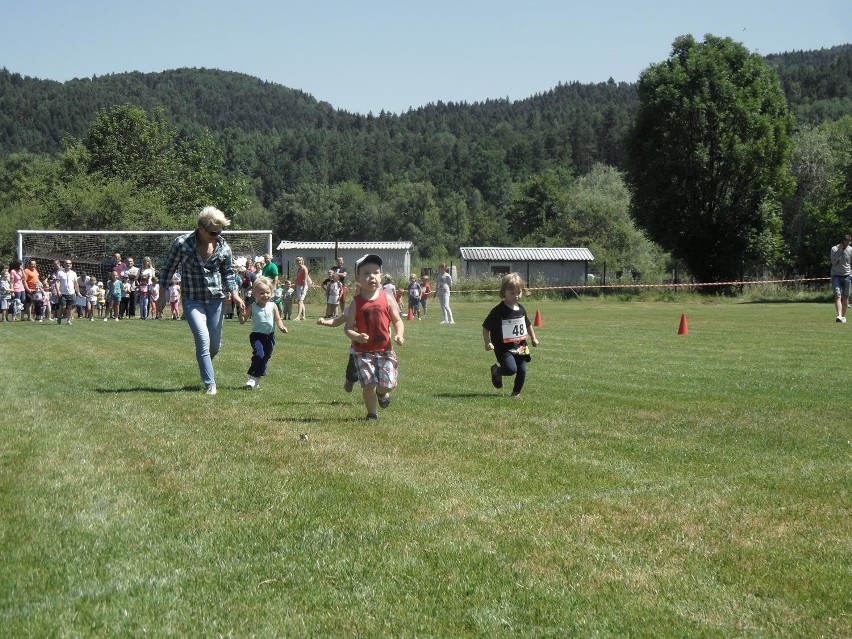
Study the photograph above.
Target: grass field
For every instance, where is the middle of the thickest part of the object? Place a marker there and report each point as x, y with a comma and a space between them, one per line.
647, 484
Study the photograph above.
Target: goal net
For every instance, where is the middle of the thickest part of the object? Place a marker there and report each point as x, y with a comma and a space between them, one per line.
92, 251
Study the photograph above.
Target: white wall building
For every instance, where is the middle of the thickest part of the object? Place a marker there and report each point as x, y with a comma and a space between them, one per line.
320, 256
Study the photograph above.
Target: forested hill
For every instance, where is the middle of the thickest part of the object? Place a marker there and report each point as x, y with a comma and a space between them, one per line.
35, 115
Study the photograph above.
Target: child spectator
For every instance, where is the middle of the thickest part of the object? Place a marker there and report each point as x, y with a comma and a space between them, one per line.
5, 293
116, 290
331, 286
427, 290
351, 375
415, 291
37, 299
91, 298
174, 299
278, 298
264, 317
154, 296
505, 332
142, 292
101, 300
287, 299
368, 326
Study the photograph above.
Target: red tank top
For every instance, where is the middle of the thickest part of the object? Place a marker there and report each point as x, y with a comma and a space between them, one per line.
373, 318
300, 277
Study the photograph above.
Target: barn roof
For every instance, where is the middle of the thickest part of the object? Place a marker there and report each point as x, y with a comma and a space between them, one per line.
521, 254
287, 245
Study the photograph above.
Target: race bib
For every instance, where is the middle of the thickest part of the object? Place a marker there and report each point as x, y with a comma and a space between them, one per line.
514, 330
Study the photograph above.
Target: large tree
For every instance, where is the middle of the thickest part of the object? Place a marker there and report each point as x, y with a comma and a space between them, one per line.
707, 157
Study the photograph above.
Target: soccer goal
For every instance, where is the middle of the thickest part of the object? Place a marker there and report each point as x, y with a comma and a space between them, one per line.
92, 251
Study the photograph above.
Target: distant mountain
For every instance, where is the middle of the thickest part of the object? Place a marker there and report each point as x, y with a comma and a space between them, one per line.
35, 115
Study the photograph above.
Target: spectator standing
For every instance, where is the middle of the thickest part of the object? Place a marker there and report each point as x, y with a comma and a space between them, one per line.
19, 293
270, 270
303, 282
427, 291
69, 290
31, 278
445, 284
342, 274
5, 293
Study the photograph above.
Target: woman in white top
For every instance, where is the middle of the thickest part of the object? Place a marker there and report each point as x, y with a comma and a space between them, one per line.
445, 282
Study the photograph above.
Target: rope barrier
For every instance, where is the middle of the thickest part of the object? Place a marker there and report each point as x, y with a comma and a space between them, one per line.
586, 287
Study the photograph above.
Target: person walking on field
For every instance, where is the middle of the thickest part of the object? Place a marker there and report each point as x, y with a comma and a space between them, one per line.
206, 266
841, 276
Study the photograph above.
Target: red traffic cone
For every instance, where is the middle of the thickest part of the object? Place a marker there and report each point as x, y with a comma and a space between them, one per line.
410, 313
683, 329
537, 322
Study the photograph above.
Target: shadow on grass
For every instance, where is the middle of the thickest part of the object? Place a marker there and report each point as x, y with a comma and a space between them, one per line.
770, 300
150, 389
463, 395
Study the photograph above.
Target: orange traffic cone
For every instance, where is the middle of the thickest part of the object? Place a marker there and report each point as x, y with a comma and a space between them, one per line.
683, 329
410, 313
538, 321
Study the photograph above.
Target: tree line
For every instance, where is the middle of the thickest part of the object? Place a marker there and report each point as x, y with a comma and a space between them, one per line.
145, 150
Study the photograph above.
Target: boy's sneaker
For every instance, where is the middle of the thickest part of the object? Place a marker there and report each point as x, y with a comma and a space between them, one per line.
843, 320
69, 322
251, 383
371, 417
211, 390
839, 320
384, 400
516, 394
496, 379
348, 386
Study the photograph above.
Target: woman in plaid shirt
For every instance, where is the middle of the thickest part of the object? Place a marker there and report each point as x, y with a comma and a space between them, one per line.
206, 267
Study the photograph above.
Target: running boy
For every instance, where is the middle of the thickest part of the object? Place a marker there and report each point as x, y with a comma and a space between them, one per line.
264, 317
505, 332
368, 321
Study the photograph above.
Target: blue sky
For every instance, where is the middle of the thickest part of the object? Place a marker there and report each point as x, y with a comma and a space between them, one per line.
375, 54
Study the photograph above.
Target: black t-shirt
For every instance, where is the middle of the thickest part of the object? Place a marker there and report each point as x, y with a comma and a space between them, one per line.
508, 329
341, 273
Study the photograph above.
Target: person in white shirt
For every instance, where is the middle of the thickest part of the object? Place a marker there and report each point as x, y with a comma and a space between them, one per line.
68, 290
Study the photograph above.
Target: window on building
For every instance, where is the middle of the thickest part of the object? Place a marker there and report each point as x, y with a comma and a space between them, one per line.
499, 270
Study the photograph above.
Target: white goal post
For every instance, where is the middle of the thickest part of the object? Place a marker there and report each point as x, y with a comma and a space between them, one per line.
92, 251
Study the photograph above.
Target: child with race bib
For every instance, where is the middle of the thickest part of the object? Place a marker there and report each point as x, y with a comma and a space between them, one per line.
505, 331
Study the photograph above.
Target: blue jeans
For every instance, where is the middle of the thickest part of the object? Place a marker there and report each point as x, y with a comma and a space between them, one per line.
261, 350
205, 321
511, 364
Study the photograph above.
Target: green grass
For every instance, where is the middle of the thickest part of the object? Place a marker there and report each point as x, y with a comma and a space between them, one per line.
646, 484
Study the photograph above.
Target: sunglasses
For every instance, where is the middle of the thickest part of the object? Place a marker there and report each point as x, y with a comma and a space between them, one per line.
213, 233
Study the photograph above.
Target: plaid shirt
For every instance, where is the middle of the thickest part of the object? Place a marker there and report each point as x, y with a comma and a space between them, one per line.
201, 280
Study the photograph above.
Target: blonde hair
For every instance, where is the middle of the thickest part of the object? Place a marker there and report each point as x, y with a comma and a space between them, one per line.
211, 216
261, 281
512, 280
